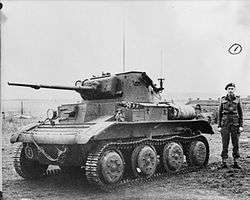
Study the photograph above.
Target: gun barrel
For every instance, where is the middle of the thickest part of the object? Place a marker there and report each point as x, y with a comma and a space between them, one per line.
34, 86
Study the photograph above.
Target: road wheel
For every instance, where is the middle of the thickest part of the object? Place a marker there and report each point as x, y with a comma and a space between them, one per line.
27, 168
111, 166
144, 161
172, 157
198, 153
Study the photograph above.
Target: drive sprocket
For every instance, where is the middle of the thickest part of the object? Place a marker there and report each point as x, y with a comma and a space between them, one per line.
27, 168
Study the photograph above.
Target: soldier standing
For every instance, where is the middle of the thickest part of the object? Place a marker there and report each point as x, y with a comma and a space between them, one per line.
198, 112
119, 116
230, 124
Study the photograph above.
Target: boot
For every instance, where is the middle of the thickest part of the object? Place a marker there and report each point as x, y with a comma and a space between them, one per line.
236, 166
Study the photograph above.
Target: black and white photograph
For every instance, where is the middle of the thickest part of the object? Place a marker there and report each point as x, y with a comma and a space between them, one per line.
132, 100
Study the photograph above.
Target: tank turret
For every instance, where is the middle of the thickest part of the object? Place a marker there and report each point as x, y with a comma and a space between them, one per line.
130, 86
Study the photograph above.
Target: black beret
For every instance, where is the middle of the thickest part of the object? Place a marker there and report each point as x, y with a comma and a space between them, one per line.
197, 107
229, 85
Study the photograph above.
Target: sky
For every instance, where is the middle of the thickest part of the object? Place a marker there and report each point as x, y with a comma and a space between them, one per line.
186, 42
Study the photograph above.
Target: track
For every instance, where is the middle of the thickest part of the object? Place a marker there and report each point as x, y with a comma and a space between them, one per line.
91, 167
92, 171
18, 162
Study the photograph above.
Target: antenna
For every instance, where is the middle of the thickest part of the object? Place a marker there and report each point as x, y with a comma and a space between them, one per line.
161, 72
163, 62
123, 47
161, 79
21, 107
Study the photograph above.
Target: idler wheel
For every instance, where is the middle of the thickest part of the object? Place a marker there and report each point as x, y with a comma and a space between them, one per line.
111, 166
172, 157
25, 167
144, 161
197, 154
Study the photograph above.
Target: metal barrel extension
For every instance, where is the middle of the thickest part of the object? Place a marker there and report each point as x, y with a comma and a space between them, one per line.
58, 87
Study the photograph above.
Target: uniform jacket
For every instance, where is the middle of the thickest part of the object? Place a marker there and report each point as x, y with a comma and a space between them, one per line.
230, 111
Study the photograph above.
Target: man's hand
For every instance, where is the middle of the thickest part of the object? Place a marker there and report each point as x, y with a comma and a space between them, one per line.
219, 129
241, 129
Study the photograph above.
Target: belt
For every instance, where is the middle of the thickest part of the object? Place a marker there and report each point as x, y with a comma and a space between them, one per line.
230, 114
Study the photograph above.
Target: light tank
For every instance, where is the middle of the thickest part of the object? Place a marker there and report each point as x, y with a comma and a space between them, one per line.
119, 132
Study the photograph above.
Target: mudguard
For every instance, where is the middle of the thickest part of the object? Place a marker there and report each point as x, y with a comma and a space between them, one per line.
82, 133
15, 136
152, 128
60, 133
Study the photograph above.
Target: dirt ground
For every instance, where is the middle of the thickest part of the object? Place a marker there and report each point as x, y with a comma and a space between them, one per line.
208, 183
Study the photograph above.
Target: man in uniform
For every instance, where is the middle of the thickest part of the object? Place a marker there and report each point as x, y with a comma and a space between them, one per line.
230, 123
119, 116
198, 112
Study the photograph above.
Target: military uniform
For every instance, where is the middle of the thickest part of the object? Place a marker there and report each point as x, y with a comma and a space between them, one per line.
119, 116
198, 112
230, 119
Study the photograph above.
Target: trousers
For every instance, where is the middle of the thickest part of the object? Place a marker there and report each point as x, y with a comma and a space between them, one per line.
226, 132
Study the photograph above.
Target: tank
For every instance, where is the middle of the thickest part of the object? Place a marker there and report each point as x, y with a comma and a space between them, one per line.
120, 131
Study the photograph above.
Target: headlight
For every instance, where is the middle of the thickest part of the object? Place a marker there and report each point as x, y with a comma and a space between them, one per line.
51, 114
